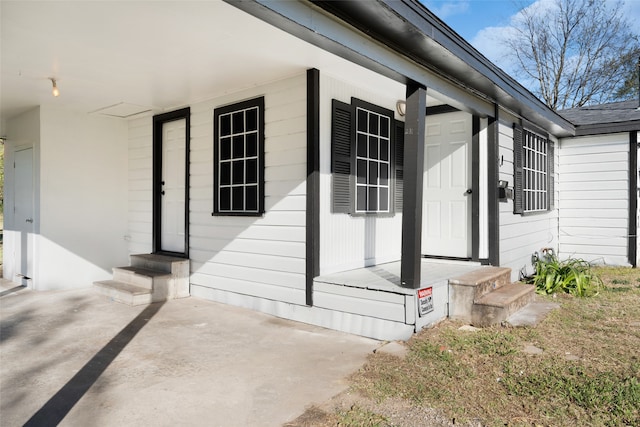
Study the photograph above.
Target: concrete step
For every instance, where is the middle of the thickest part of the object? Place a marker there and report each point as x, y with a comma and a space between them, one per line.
466, 289
138, 276
164, 263
483, 280
531, 314
496, 306
125, 293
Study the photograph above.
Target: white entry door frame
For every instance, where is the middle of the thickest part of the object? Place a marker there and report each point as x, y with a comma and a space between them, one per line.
447, 200
24, 216
171, 135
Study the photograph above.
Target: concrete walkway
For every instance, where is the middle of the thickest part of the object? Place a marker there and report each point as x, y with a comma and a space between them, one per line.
74, 358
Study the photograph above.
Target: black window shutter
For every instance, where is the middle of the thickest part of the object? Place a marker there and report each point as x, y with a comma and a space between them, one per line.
518, 202
399, 166
341, 156
551, 175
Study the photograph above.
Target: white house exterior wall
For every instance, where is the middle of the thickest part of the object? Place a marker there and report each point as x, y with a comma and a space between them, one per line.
80, 181
262, 257
522, 235
348, 242
594, 198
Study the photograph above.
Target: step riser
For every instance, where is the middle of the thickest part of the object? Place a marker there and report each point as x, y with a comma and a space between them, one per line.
485, 287
150, 264
486, 315
133, 278
123, 297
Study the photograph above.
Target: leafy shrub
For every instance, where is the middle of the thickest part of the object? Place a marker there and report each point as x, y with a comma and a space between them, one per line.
572, 276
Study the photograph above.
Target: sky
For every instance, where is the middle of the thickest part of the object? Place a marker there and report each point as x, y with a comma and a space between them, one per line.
480, 22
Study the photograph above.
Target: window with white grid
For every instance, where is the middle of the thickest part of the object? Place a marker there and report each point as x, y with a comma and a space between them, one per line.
239, 155
535, 173
373, 161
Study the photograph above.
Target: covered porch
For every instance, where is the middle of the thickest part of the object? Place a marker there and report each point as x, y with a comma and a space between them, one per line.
374, 295
373, 302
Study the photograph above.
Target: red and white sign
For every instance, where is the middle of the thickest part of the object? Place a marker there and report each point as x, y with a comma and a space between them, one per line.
425, 301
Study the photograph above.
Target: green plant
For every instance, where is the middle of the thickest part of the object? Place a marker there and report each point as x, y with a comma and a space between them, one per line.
573, 276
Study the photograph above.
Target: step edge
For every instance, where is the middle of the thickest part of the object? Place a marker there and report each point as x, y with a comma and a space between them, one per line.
494, 274
525, 291
137, 290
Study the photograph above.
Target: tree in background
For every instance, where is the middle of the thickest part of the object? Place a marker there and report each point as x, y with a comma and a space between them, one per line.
578, 52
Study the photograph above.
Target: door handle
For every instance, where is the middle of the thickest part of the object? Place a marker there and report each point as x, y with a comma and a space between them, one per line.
29, 220
469, 191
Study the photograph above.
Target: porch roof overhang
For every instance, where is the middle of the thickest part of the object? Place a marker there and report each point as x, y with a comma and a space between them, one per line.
405, 41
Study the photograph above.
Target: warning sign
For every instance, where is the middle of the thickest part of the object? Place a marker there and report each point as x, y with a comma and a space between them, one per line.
425, 301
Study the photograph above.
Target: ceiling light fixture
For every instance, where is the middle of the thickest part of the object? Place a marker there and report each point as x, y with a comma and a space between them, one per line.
55, 91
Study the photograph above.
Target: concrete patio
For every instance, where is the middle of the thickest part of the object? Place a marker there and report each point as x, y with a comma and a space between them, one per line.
76, 358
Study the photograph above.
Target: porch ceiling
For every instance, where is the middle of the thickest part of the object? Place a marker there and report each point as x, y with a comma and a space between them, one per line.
152, 54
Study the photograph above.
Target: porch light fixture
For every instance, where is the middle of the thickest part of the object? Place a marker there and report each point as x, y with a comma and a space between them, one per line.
55, 91
401, 107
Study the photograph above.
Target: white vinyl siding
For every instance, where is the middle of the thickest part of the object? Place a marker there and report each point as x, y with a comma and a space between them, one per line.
521, 236
260, 256
140, 185
346, 241
594, 198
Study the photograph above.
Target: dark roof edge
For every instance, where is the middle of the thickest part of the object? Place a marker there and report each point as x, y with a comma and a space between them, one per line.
487, 78
603, 128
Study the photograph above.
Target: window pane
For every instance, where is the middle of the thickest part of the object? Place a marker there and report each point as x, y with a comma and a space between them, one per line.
384, 126
251, 197
225, 173
238, 198
361, 198
374, 120
238, 146
362, 121
373, 173
384, 174
361, 171
384, 150
384, 199
238, 172
238, 122
252, 171
225, 148
251, 117
225, 199
225, 125
373, 147
252, 144
361, 145
373, 198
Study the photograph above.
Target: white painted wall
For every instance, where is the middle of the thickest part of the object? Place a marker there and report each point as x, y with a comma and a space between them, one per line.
83, 181
594, 198
349, 242
262, 257
522, 235
80, 179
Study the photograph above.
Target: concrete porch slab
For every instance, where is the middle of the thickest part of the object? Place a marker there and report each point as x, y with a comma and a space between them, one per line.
80, 359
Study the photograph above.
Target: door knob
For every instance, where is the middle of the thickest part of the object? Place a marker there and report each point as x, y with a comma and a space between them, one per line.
469, 191
29, 220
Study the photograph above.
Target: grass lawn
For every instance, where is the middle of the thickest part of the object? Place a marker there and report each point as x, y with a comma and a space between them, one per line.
582, 368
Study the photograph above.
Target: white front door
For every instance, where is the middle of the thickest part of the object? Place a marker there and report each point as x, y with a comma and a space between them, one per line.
173, 186
446, 206
24, 215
